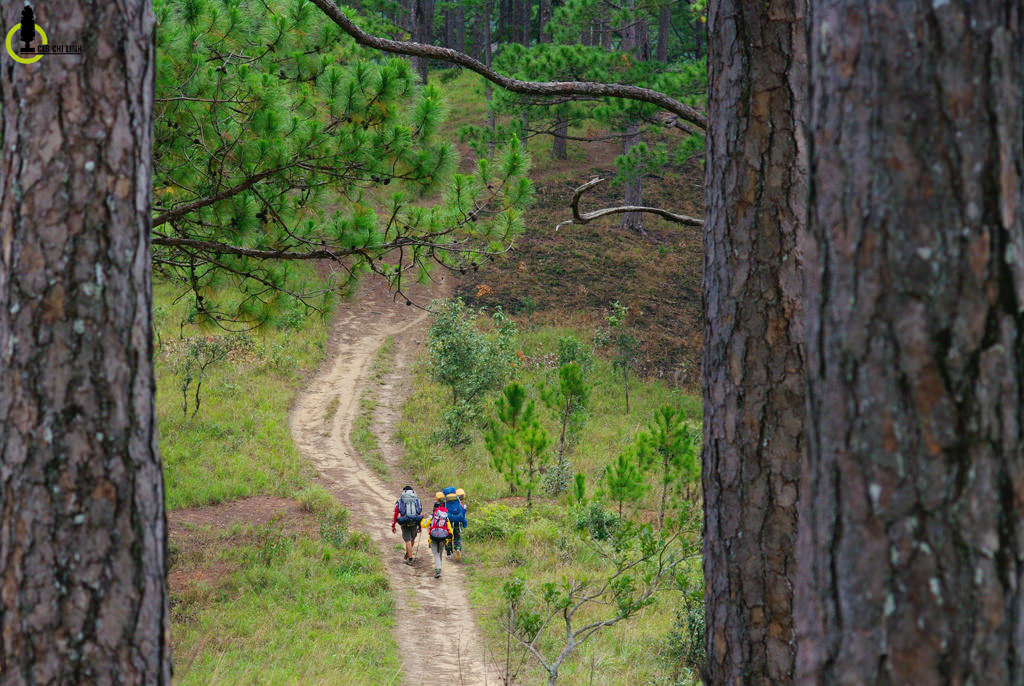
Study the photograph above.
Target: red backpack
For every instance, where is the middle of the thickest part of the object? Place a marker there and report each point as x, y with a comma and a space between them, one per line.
439, 524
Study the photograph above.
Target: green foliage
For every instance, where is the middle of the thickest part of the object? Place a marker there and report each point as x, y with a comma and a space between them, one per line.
496, 521
672, 444
620, 338
470, 363
200, 354
568, 400
625, 479
571, 349
595, 520
266, 117
516, 441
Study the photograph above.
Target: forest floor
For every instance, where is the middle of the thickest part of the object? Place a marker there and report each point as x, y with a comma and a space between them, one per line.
434, 625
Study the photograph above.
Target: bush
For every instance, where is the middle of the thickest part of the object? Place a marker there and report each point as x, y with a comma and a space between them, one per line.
595, 520
496, 521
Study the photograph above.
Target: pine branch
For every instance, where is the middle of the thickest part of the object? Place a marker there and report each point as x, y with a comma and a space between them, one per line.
575, 88
587, 217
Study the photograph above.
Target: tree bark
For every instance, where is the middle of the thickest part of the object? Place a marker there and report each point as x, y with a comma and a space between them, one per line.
664, 29
633, 187
912, 544
559, 147
82, 528
460, 28
423, 32
754, 365
544, 16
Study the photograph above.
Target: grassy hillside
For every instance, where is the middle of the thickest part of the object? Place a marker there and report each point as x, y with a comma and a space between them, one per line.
553, 540
571, 277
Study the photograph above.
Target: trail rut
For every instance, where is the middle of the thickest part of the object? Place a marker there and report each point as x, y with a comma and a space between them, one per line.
435, 627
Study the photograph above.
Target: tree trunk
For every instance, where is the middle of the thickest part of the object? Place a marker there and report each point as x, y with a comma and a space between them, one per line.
423, 28
544, 16
559, 148
754, 368
460, 28
82, 528
488, 93
449, 28
664, 28
911, 548
633, 187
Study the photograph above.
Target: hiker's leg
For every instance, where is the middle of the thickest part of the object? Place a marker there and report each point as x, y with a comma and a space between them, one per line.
457, 535
436, 547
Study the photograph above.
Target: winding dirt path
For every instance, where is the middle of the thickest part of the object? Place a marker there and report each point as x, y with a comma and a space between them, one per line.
435, 627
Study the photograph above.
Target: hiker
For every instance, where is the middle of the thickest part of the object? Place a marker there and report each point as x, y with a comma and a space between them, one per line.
456, 506
439, 531
408, 512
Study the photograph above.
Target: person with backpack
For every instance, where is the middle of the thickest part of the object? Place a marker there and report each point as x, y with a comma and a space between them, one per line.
439, 531
456, 506
408, 512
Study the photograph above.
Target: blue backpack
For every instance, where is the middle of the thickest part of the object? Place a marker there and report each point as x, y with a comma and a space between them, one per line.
456, 512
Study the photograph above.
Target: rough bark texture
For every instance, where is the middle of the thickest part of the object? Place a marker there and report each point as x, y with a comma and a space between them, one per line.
912, 544
82, 530
754, 369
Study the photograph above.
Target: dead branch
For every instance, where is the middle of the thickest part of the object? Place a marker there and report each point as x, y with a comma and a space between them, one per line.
587, 217
575, 88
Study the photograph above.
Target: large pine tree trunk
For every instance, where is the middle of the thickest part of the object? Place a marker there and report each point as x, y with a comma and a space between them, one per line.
82, 529
754, 370
912, 528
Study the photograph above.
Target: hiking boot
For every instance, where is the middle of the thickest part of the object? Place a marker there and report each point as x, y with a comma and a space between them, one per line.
437, 573
409, 561
458, 556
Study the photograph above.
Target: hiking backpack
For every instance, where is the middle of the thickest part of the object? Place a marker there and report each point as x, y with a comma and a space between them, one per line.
409, 508
456, 512
439, 525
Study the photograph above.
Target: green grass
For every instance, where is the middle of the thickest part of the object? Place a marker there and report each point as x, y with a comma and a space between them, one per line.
238, 444
545, 544
283, 607
296, 611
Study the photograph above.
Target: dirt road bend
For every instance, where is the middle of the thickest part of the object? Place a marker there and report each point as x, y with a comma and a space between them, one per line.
435, 627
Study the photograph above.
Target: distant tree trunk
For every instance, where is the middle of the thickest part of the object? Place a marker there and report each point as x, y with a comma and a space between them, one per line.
754, 365
664, 29
635, 40
559, 149
460, 28
544, 16
449, 28
478, 32
423, 32
634, 221
82, 529
488, 93
911, 548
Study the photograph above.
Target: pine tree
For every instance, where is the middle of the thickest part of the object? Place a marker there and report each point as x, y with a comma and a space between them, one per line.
265, 120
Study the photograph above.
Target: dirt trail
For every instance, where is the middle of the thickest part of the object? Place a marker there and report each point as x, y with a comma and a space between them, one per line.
435, 627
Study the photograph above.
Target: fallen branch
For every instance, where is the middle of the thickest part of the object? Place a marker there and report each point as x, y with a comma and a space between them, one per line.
547, 88
587, 217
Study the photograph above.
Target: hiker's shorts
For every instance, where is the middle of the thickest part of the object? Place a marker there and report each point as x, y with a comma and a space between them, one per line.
409, 531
